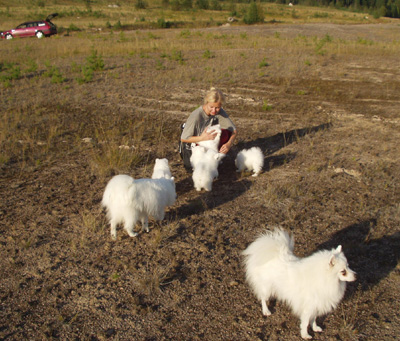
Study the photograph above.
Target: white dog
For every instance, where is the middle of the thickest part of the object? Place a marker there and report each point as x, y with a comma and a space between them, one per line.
205, 168
161, 169
311, 286
127, 201
251, 159
213, 144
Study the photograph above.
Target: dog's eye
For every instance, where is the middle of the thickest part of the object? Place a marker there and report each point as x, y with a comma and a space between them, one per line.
344, 272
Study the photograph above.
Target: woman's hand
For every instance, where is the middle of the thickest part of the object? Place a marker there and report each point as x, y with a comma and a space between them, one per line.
207, 136
225, 148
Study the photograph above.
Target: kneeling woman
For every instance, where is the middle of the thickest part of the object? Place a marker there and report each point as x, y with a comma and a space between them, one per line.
210, 113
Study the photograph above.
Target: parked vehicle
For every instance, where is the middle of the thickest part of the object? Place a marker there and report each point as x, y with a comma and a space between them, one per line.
37, 28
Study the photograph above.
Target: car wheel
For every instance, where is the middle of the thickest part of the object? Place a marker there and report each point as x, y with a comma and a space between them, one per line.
39, 34
9, 36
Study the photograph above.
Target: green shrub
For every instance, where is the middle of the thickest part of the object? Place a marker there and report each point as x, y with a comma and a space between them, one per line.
264, 63
54, 73
254, 14
118, 25
86, 75
208, 54
202, 4
95, 61
215, 5
161, 23
141, 4
9, 72
74, 28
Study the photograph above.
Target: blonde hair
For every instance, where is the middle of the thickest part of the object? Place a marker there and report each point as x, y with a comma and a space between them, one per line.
214, 96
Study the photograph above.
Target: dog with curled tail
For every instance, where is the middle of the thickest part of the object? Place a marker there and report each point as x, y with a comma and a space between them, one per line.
129, 200
312, 286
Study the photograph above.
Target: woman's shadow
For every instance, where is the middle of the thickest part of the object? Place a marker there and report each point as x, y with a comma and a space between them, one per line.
229, 186
372, 259
270, 145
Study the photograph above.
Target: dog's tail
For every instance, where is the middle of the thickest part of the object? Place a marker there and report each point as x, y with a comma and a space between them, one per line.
269, 245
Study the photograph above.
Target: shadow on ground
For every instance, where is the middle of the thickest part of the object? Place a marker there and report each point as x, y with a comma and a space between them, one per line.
372, 259
270, 145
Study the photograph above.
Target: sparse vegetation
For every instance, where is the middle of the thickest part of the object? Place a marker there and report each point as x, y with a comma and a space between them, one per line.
322, 103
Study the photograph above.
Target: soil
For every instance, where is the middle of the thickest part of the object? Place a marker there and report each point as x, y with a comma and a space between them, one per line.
331, 176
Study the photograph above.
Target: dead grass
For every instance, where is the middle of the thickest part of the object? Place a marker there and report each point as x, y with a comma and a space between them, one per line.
323, 113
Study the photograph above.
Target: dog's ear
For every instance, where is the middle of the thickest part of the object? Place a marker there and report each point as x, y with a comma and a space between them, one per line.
339, 249
332, 261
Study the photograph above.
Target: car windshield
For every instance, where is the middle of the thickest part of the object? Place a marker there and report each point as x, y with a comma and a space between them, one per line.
21, 26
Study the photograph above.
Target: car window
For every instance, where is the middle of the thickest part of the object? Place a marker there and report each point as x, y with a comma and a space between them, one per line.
41, 24
21, 26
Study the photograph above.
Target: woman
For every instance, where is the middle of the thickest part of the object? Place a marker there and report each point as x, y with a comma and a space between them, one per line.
210, 113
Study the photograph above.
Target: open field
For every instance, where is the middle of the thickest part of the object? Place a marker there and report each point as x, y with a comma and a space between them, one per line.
321, 100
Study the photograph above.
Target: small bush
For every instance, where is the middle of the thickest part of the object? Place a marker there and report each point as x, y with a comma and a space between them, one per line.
266, 106
141, 4
202, 4
161, 23
264, 63
208, 54
9, 72
215, 5
118, 25
177, 56
95, 61
54, 73
73, 28
254, 14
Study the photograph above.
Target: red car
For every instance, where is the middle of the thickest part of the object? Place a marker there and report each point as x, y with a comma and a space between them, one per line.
38, 28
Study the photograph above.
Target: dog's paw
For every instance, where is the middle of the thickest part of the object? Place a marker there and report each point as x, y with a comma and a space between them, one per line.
306, 336
132, 234
317, 329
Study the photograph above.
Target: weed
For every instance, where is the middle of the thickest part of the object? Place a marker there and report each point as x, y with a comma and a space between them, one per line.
264, 63
141, 4
208, 54
9, 72
184, 34
73, 28
54, 73
160, 65
32, 65
86, 75
177, 56
364, 41
161, 23
266, 106
118, 25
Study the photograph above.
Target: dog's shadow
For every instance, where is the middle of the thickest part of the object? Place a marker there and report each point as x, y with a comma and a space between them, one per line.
270, 145
372, 259
226, 188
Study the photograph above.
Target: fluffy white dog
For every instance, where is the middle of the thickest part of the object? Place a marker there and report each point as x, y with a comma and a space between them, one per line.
161, 169
205, 167
311, 286
213, 144
251, 159
128, 200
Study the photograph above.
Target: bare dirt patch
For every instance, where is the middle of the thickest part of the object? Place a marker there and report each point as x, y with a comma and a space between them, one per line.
331, 176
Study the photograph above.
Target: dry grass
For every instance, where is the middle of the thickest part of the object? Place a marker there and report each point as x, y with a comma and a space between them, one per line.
323, 106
